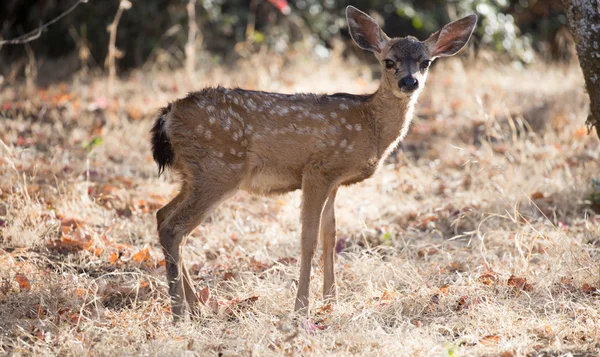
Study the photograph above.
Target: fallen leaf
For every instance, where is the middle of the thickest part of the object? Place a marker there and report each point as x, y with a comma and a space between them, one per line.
388, 295
134, 113
24, 283
425, 221
568, 284
70, 222
489, 278
204, 295
500, 149
147, 206
537, 195
456, 267
71, 242
80, 292
214, 305
463, 303
581, 132
236, 307
445, 289
491, 340
456, 104
258, 266
519, 283
142, 255
426, 252
590, 290
324, 310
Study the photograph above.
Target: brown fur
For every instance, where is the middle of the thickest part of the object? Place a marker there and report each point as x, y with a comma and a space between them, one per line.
225, 140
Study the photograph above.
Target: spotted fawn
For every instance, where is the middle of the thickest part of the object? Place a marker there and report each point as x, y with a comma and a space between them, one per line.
220, 141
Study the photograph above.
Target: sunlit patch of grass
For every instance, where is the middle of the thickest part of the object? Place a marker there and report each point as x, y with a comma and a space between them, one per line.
479, 237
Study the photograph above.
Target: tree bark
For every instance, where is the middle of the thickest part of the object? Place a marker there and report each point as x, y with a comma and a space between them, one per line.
583, 17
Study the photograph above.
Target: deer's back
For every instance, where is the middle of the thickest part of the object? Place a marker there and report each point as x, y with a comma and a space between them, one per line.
267, 141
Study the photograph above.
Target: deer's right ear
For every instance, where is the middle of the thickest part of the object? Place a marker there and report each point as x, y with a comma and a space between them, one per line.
364, 31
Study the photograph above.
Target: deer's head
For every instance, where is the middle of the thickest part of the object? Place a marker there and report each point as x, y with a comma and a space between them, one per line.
405, 60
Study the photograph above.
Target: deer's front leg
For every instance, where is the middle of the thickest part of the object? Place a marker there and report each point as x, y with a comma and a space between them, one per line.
328, 239
314, 194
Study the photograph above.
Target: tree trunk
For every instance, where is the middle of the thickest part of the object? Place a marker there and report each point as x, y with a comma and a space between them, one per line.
583, 17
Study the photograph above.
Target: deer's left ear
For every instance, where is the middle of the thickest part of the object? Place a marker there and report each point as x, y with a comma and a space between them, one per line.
451, 38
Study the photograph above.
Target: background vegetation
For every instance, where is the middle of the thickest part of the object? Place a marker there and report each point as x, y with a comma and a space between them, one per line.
515, 27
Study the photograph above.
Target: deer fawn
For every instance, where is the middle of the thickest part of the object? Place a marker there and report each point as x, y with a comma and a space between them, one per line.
222, 140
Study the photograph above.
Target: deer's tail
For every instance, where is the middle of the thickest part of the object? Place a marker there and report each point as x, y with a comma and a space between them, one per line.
162, 150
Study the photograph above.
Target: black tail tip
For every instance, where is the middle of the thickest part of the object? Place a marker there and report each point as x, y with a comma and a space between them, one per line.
162, 151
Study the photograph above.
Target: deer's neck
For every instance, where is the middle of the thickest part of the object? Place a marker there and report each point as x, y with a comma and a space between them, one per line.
391, 116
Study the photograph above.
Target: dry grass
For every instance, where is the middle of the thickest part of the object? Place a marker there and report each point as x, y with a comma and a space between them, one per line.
491, 183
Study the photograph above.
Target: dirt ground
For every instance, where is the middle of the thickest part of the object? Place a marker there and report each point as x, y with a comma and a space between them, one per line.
478, 237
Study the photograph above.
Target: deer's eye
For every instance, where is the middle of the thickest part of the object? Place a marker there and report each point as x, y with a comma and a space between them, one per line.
425, 64
389, 64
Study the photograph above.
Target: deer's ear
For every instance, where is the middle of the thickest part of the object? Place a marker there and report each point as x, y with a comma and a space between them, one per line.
451, 38
364, 31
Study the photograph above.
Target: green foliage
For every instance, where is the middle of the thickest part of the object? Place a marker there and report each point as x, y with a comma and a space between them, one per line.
497, 29
507, 26
94, 142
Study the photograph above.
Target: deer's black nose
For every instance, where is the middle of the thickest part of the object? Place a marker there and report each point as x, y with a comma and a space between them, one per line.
408, 83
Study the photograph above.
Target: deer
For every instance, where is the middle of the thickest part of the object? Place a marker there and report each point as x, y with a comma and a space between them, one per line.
220, 141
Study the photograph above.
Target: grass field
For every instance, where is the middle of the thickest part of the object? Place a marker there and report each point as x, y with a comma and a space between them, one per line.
477, 238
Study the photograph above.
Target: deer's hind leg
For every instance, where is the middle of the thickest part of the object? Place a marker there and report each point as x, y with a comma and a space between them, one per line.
193, 207
166, 210
161, 215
